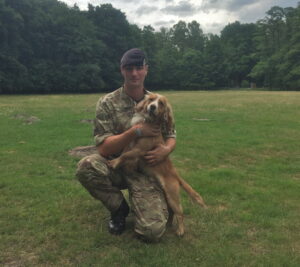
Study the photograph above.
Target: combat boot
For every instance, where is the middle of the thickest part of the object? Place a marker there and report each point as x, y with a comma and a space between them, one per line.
117, 223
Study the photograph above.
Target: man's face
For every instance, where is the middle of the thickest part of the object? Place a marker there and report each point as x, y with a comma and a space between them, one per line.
134, 76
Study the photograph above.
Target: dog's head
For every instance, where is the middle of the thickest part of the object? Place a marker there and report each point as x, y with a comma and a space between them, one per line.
155, 108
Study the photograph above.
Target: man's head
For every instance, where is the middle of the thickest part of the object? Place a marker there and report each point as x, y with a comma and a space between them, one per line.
134, 57
134, 68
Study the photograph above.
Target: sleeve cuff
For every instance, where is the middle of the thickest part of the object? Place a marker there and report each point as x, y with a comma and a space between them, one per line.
171, 134
99, 139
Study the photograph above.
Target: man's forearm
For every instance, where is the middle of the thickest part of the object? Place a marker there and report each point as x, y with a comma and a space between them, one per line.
116, 143
171, 144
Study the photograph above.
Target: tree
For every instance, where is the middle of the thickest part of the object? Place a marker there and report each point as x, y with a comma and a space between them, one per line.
179, 34
238, 46
195, 36
278, 50
48, 46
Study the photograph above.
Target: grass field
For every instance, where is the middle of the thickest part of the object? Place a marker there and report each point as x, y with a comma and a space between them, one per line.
239, 149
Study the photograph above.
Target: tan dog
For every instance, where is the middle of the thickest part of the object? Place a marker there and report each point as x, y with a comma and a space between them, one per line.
155, 109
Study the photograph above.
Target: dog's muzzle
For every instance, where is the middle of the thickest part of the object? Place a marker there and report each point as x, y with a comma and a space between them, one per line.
151, 109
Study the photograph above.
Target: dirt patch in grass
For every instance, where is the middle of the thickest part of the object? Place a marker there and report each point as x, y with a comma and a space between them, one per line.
201, 119
82, 151
24, 258
220, 208
27, 119
86, 121
252, 233
258, 249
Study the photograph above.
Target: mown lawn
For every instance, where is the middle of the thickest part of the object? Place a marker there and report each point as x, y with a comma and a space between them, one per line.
239, 149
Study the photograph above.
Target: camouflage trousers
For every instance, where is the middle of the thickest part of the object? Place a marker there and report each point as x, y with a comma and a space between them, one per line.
147, 198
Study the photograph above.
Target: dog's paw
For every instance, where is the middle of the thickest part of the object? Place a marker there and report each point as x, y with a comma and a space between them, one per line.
179, 231
113, 163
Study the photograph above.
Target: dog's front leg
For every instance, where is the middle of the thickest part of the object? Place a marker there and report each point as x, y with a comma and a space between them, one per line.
133, 154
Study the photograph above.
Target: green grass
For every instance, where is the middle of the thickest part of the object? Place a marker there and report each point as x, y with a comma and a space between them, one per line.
239, 149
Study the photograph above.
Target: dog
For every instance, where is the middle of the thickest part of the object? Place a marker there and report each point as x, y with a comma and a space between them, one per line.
156, 110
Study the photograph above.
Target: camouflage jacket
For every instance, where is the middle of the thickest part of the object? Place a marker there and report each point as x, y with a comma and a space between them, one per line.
114, 112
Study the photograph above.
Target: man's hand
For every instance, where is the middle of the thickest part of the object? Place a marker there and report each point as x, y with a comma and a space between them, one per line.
157, 155
148, 130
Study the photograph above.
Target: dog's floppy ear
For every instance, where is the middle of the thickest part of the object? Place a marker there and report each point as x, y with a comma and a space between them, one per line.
168, 116
141, 105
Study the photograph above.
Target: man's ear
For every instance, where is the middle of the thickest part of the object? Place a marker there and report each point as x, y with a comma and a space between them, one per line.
122, 70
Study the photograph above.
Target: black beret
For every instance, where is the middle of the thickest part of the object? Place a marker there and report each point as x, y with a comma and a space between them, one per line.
134, 57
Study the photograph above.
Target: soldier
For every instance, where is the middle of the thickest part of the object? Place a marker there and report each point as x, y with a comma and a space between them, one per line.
113, 132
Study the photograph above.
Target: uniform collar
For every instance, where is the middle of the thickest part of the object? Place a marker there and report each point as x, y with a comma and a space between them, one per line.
128, 99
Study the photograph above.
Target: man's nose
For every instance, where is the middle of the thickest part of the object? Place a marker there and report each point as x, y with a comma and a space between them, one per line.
134, 71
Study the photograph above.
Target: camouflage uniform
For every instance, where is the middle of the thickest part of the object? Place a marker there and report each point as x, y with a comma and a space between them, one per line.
113, 116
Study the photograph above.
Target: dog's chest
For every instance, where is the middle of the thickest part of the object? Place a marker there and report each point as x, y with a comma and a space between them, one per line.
149, 143
137, 118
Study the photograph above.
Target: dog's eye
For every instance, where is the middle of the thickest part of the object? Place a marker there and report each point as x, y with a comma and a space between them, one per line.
160, 102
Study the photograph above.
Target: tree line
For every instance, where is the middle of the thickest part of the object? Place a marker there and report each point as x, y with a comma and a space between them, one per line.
49, 47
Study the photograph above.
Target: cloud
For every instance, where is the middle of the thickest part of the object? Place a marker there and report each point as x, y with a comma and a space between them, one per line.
214, 25
239, 4
183, 9
146, 10
229, 5
164, 23
84, 3
213, 15
122, 1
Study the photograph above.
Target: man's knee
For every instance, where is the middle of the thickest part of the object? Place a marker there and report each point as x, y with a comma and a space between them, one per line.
90, 165
151, 232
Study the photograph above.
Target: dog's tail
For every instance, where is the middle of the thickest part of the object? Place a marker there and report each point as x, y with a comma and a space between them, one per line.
192, 193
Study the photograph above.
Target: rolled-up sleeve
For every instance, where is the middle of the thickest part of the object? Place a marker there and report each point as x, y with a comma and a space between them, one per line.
170, 133
168, 129
103, 123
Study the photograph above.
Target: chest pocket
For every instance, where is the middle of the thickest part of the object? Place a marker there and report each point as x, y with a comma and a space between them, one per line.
123, 118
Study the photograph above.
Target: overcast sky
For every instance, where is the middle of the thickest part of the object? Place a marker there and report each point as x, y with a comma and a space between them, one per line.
212, 15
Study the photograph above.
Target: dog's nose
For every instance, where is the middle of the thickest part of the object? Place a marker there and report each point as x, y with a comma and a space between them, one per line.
152, 107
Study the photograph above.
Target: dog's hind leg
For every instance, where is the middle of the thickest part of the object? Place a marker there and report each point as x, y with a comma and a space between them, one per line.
173, 199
